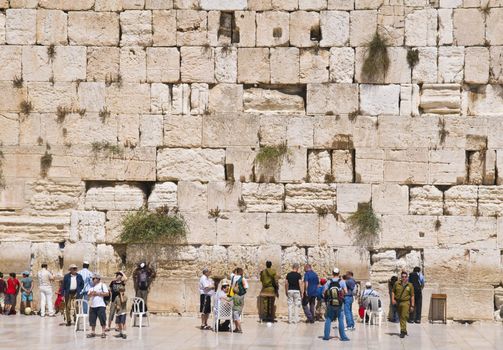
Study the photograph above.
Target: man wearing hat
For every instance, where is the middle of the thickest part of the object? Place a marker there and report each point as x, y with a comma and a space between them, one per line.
87, 277
73, 283
97, 309
367, 293
334, 291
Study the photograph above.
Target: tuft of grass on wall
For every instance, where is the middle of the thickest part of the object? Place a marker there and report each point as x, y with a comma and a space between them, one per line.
377, 60
45, 163
17, 82
107, 149
271, 155
412, 57
25, 107
365, 225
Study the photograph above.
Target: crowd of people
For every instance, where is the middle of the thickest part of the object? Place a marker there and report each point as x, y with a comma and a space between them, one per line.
321, 299
77, 285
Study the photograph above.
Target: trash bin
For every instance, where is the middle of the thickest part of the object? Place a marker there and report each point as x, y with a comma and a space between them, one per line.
438, 308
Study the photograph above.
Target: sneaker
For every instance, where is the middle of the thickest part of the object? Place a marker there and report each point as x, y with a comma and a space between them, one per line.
351, 328
402, 335
118, 335
326, 338
345, 339
124, 336
417, 322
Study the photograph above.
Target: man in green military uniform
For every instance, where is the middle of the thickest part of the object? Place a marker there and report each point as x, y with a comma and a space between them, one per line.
268, 293
403, 296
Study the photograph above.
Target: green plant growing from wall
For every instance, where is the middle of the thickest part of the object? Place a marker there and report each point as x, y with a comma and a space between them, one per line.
104, 114
412, 57
364, 225
159, 226
61, 113
51, 52
17, 82
270, 156
442, 132
45, 163
106, 149
25, 107
376, 63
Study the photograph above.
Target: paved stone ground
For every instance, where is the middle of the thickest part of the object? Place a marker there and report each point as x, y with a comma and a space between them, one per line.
20, 332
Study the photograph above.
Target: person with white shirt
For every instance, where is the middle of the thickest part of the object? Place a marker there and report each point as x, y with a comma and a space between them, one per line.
97, 309
72, 287
367, 293
87, 277
206, 290
45, 279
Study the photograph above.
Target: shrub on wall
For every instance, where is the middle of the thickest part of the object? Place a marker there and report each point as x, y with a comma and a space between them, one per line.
376, 63
364, 224
159, 226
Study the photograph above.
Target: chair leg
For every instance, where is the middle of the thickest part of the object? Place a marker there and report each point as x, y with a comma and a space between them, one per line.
141, 319
76, 324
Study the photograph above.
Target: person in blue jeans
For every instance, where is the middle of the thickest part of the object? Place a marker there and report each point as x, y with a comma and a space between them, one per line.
348, 300
334, 312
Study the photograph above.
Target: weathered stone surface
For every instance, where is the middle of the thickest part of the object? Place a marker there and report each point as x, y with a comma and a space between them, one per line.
445, 26
477, 65
426, 200
253, 65
319, 166
52, 27
467, 232
21, 26
350, 195
483, 100
314, 65
164, 28
163, 64
440, 98
128, 98
87, 226
190, 164
285, 65
363, 26
369, 165
151, 130
494, 26
226, 65
334, 28
390, 199
67, 4
450, 64
256, 100
342, 64
218, 130
425, 70
223, 5
182, 131
69, 63
118, 197
76, 253
224, 195
15, 256
379, 99
32, 228
11, 98
136, 28
197, 64
398, 71
342, 165
192, 196
45, 253
226, 98
409, 166
45, 195
301, 24
11, 62
102, 62
245, 25
468, 27
242, 160
490, 200
272, 28
36, 64
447, 166
421, 28
292, 229
461, 200
332, 98
400, 231
192, 27
263, 197
163, 194
307, 198
93, 28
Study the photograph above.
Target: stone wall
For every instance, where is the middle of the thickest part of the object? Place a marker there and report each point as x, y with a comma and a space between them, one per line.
114, 105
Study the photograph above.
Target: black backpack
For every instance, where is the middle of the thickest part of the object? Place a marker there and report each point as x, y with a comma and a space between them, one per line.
334, 294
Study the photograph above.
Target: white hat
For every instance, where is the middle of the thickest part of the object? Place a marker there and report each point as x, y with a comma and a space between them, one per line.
85, 262
336, 271
368, 284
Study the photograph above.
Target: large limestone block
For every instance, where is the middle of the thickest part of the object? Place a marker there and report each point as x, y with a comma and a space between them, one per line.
133, 64
163, 64
495, 65
314, 66
128, 98
102, 62
253, 65
334, 28
11, 97
182, 131
307, 198
425, 70
369, 165
76, 253
241, 161
319, 165
91, 96
163, 194
36, 64
342, 68
473, 298
190, 164
450, 64
227, 229
363, 27
292, 167
246, 27
136, 28
9, 129
288, 5
201, 228
343, 132
197, 64
52, 27
10, 56
301, 25
257, 100
226, 98
151, 130
490, 200
272, 28
15, 256
461, 200
285, 65
161, 102
115, 197
226, 64
128, 130
400, 231
164, 28
70, 63
467, 232
223, 4
440, 98
353, 259
408, 166
299, 131
332, 233
93, 28
113, 225
158, 4
224, 195
47, 195
350, 195
45, 253
447, 166
485, 100
192, 27
426, 200
22, 3
87, 226
421, 28
445, 26
312, 4
273, 130
192, 196
322, 258
332, 98
108, 260
398, 71
263, 197
379, 99
292, 229
494, 26
409, 99
477, 65
390, 199
469, 27
342, 165
67, 5
230, 130
34, 228
47, 97
21, 26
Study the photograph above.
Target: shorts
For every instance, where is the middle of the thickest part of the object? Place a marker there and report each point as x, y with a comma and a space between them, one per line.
205, 304
98, 312
236, 315
26, 297
10, 299
120, 319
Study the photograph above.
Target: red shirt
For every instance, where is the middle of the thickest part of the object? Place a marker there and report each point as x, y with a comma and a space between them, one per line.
12, 283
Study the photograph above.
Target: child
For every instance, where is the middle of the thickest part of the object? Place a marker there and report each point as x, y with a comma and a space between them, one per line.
26, 291
120, 303
11, 294
59, 304
115, 286
320, 304
237, 309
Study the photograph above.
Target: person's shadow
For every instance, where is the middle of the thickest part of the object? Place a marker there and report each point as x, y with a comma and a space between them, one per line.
393, 334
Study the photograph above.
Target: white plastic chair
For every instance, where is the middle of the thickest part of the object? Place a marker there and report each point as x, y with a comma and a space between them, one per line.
139, 311
80, 306
223, 313
373, 310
